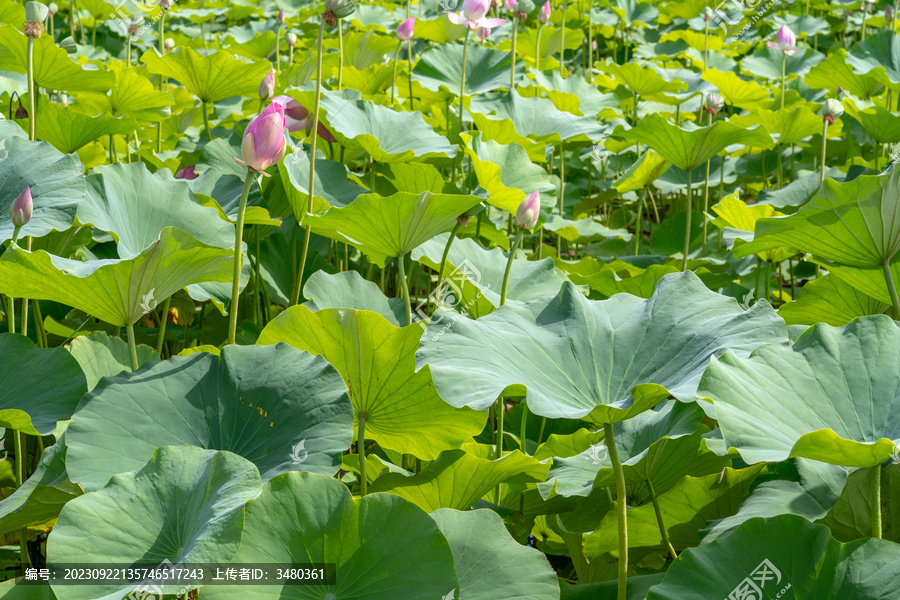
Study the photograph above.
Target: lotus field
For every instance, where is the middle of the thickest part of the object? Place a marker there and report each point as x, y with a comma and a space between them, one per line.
315, 300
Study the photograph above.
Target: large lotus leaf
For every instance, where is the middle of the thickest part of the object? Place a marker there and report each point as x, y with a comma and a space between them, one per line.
56, 182
642, 81
473, 277
869, 281
638, 586
642, 172
763, 553
766, 62
739, 221
736, 91
835, 72
617, 277
688, 149
385, 134
833, 396
490, 564
571, 94
604, 360
878, 122
186, 506
40, 386
68, 130
787, 126
535, 118
281, 409
583, 231
381, 544
486, 69
103, 356
851, 516
830, 300
53, 69
402, 409
410, 177
134, 96
659, 446
211, 78
458, 479
635, 13
135, 205
349, 290
878, 56
392, 226
113, 290
854, 223
505, 171
332, 187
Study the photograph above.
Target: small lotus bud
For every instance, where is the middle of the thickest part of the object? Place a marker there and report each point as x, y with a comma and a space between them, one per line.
831, 110
53, 9
187, 173
840, 90
529, 211
714, 104
21, 209
340, 8
267, 87
544, 13
36, 12
707, 13
785, 40
463, 219
166, 4
405, 29
264, 144
291, 38
279, 19
169, 44
889, 13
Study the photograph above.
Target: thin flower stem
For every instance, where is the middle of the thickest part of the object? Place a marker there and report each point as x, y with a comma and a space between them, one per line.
509, 262
783, 61
622, 516
161, 338
512, 68
824, 137
660, 522
132, 348
687, 226
31, 99
892, 289
706, 195
410, 52
394, 74
206, 122
404, 287
361, 452
340, 77
453, 233
462, 85
537, 51
20, 477
562, 48
238, 259
876, 502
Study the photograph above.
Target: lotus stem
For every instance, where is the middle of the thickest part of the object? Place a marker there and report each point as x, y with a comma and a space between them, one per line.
706, 197
238, 259
410, 52
783, 90
361, 451
112, 149
462, 85
621, 506
706, 46
523, 429
562, 47
892, 289
340, 31
295, 293
161, 338
509, 262
450, 239
512, 68
11, 313
30, 67
394, 73
876, 502
132, 348
659, 520
72, 19
687, 226
562, 193
824, 136
404, 287
590, 68
537, 50
40, 333
128, 56
20, 476
865, 15
206, 121
278, 49
290, 55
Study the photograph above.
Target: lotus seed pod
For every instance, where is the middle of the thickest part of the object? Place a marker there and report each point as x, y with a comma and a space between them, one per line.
36, 12
340, 8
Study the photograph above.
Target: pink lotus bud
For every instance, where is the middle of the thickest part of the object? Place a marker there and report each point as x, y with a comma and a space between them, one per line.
511, 5
529, 211
889, 13
279, 20
264, 143
21, 209
544, 13
405, 29
786, 41
475, 9
187, 173
267, 86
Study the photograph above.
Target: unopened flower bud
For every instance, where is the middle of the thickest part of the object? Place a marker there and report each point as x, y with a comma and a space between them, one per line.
166, 4
463, 219
21, 209
267, 87
544, 13
831, 110
714, 104
53, 9
169, 44
340, 8
279, 19
291, 38
529, 211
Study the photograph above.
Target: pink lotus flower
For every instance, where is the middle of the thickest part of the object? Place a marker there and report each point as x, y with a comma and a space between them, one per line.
473, 15
529, 211
297, 117
511, 5
405, 29
786, 41
264, 143
21, 209
187, 173
267, 86
544, 13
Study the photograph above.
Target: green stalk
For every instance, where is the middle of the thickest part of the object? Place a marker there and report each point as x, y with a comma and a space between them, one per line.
892, 289
562, 49
706, 46
24, 319
238, 258
824, 136
278, 49
161, 338
128, 59
622, 516
522, 428
783, 60
876, 502
20, 476
162, 52
706, 196
446, 252
394, 74
659, 521
132, 349
39, 325
30, 69
361, 451
512, 69
537, 48
404, 287
295, 293
340, 53
409, 51
462, 85
687, 227
562, 191
865, 15
590, 68
112, 149
206, 122
509, 262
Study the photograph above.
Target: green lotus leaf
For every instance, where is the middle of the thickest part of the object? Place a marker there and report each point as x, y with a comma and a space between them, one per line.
349, 290
688, 149
332, 187
869, 281
132, 96
831, 300
787, 126
583, 231
638, 586
642, 81
381, 544
642, 172
617, 277
490, 563
660, 446
281, 409
474, 276
604, 361
762, 553
41, 386
392, 226
11, 590
68, 130
739, 92
505, 172
878, 122
486, 69
835, 72
458, 479
766, 62
572, 94
364, 49
210, 78
635, 13
114, 290
402, 410
53, 69
854, 223
877, 56
103, 356
56, 182
259, 47
186, 506
739, 221
852, 515
438, 30
535, 118
832, 396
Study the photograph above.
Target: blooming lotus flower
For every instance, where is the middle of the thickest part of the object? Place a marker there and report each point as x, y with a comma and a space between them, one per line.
786, 41
267, 86
473, 15
297, 117
529, 211
831, 110
544, 13
405, 29
264, 142
21, 209
511, 5
187, 173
